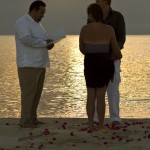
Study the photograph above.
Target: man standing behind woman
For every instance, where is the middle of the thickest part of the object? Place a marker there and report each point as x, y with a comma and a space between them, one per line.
116, 20
32, 46
95, 41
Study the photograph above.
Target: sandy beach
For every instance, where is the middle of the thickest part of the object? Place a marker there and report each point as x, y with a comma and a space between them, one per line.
72, 134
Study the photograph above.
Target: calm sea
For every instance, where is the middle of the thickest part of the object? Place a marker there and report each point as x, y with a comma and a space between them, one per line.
64, 93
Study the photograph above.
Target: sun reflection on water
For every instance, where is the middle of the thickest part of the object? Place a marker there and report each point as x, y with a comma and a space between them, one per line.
64, 93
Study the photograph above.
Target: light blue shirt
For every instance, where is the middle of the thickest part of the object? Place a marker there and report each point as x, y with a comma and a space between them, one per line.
31, 43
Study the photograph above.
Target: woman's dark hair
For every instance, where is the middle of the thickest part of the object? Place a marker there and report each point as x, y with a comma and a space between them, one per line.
96, 11
109, 2
36, 5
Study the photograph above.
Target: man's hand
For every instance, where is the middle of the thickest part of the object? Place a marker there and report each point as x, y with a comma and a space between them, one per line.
49, 44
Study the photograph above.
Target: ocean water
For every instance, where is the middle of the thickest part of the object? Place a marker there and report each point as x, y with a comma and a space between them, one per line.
64, 93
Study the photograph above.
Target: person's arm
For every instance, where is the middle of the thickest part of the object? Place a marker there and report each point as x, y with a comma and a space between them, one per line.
32, 41
114, 46
121, 32
81, 42
24, 35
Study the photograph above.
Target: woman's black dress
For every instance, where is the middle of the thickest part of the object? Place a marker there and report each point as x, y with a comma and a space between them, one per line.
98, 67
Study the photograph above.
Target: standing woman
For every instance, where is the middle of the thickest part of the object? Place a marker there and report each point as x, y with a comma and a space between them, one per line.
95, 41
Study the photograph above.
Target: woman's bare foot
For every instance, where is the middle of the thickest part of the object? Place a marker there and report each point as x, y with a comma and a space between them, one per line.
92, 129
91, 125
102, 128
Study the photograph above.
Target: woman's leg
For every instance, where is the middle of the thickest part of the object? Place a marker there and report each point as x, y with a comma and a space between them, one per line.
100, 94
90, 107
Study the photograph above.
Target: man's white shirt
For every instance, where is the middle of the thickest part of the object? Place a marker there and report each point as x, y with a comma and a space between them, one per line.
31, 43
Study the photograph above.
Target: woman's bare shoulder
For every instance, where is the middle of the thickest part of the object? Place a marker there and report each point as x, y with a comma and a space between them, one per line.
85, 26
108, 27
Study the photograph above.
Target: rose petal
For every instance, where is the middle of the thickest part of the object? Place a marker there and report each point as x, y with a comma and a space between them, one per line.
105, 143
84, 141
54, 139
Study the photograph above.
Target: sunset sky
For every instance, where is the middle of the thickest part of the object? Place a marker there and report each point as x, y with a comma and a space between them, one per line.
71, 14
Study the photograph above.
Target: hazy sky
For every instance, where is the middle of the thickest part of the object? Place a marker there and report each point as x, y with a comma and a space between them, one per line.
71, 14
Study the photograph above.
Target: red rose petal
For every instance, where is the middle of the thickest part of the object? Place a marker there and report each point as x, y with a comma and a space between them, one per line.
54, 139
105, 143
124, 130
30, 133
72, 134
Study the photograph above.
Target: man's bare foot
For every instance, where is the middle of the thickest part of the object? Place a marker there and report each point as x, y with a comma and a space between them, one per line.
38, 122
29, 125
